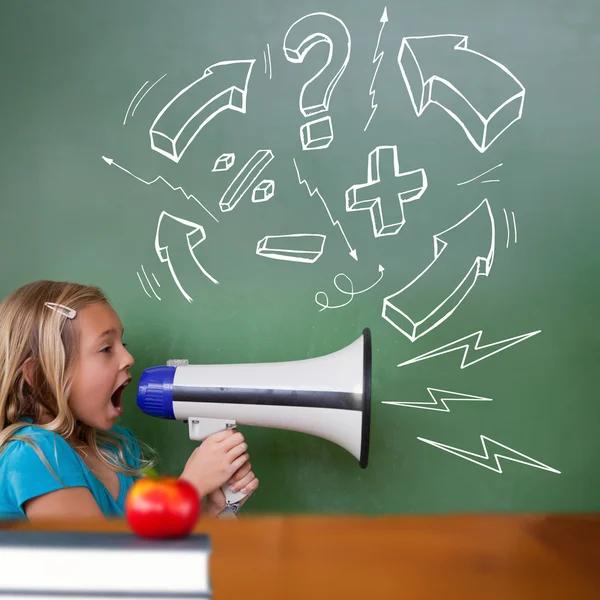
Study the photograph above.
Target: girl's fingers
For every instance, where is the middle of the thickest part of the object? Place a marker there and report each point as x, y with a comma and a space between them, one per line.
241, 473
250, 487
232, 441
238, 485
238, 462
222, 435
239, 449
249, 490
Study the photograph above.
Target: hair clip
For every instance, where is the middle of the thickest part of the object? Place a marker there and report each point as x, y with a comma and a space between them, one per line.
61, 309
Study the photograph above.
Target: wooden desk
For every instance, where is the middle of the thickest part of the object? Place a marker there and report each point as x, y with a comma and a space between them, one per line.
487, 557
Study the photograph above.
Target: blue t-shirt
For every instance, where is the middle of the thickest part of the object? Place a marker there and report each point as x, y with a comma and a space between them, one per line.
23, 475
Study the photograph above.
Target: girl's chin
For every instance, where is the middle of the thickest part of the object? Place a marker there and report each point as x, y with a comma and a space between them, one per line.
109, 420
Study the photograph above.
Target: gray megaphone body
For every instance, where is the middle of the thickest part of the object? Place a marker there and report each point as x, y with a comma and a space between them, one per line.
328, 396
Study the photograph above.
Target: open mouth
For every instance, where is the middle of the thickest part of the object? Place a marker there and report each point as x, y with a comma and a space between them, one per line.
116, 396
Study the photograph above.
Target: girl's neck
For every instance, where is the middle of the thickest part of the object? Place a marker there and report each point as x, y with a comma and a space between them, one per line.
72, 440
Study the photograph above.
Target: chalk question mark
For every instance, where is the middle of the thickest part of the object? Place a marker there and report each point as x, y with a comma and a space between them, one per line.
316, 93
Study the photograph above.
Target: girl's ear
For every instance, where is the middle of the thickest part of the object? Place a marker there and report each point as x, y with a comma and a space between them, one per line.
29, 370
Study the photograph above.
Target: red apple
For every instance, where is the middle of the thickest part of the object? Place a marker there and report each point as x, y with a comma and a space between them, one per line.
162, 507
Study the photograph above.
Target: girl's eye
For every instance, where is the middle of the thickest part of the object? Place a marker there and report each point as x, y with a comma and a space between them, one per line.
106, 349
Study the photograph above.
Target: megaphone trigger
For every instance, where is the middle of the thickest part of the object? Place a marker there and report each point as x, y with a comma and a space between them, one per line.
232, 497
200, 429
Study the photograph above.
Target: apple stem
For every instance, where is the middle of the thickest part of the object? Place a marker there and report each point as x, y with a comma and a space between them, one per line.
150, 472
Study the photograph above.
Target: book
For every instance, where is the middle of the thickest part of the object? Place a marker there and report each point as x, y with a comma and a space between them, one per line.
59, 564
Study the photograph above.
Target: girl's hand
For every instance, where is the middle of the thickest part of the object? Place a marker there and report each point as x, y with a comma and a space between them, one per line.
243, 478
214, 503
215, 461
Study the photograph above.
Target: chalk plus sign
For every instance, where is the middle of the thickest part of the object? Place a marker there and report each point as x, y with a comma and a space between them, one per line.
388, 219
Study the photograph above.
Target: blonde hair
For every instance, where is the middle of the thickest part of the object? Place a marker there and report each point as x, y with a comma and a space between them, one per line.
30, 332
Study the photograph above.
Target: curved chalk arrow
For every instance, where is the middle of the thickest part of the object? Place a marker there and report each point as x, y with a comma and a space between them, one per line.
224, 86
349, 292
409, 310
479, 93
168, 232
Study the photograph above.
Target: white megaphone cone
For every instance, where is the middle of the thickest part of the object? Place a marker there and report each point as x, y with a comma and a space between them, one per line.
327, 396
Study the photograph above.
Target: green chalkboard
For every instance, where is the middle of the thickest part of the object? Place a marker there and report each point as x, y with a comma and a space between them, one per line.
431, 167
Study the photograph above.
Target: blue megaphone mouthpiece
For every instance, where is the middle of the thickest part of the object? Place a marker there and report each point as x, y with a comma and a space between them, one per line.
155, 392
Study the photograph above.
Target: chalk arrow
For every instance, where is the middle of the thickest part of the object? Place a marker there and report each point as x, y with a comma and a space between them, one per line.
349, 292
501, 451
482, 352
111, 162
224, 86
335, 222
169, 232
479, 93
377, 58
441, 397
425, 302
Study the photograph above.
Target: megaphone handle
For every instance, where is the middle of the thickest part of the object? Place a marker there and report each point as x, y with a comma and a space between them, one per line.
231, 497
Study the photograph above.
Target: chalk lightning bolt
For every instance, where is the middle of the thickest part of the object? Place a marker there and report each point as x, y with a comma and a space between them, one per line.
504, 452
336, 223
490, 349
377, 58
444, 396
111, 162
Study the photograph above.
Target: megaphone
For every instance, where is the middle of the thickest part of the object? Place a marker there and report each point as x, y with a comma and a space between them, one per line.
328, 396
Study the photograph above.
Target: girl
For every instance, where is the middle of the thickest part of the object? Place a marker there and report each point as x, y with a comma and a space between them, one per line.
63, 368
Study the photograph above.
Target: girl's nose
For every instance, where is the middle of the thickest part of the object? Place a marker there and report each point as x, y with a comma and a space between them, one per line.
128, 360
